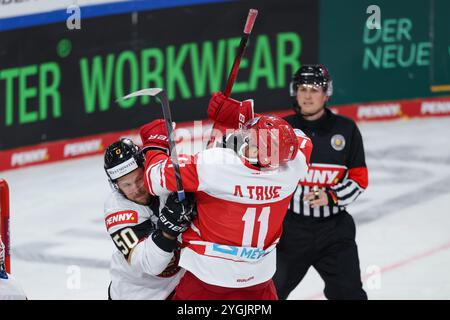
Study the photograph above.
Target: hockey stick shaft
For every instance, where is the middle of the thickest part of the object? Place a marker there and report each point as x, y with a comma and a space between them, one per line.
251, 17
173, 150
160, 93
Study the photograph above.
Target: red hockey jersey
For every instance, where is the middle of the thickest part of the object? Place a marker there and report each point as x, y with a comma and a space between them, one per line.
241, 208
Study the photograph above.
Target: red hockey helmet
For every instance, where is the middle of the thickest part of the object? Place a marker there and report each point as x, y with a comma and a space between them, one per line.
274, 138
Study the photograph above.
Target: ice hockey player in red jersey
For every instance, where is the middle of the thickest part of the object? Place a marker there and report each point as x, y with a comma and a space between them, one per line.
230, 114
242, 194
145, 264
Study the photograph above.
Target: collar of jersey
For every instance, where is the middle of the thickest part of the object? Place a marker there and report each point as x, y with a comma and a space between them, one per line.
260, 170
322, 123
249, 165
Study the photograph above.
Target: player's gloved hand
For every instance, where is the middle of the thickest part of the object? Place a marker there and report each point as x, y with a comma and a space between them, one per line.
154, 136
304, 144
176, 216
229, 113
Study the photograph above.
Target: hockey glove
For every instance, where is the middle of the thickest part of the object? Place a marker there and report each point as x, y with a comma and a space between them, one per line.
304, 144
229, 113
176, 216
154, 136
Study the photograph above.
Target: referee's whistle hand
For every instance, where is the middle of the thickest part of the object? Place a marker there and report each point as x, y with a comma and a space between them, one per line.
315, 203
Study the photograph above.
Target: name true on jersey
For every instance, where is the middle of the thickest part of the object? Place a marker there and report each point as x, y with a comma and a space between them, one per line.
257, 192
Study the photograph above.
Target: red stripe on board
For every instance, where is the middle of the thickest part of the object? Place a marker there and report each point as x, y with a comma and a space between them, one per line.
93, 145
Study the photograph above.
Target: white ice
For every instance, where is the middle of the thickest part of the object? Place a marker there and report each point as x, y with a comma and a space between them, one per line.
60, 249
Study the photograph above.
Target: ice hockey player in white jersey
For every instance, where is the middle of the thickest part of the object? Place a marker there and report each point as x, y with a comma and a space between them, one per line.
242, 194
10, 289
145, 264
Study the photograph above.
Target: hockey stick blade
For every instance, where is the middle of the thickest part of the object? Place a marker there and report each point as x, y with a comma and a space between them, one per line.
153, 92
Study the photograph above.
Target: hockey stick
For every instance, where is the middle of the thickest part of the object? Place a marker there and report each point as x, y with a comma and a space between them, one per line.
161, 94
251, 17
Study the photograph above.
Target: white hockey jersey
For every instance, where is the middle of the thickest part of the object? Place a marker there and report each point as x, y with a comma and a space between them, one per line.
10, 289
241, 208
150, 272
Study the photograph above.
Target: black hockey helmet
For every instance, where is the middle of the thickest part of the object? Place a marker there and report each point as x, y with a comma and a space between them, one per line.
312, 74
122, 157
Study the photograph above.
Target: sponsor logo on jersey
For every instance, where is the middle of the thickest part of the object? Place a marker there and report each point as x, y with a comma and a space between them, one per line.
323, 176
379, 111
75, 149
236, 253
121, 217
435, 107
28, 157
245, 280
338, 142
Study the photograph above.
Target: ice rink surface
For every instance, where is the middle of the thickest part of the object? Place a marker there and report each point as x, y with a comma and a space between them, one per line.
60, 248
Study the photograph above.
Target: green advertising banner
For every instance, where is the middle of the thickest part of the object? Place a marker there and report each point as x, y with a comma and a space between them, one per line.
57, 83
386, 50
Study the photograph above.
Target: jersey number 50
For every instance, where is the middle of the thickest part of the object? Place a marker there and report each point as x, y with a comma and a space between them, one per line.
125, 240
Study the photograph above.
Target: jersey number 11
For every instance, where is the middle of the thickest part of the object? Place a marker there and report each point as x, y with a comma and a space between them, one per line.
249, 226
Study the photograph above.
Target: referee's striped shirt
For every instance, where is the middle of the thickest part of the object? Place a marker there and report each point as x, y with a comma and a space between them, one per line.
344, 193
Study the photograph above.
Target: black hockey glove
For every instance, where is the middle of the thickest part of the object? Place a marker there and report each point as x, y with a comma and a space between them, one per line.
176, 217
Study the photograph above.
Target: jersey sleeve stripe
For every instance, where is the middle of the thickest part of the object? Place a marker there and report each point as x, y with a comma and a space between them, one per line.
350, 199
341, 186
150, 173
348, 194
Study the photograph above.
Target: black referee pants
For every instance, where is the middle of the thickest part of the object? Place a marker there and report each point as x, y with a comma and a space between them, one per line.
329, 246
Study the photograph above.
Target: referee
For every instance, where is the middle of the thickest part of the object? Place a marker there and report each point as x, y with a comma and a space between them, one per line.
318, 231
